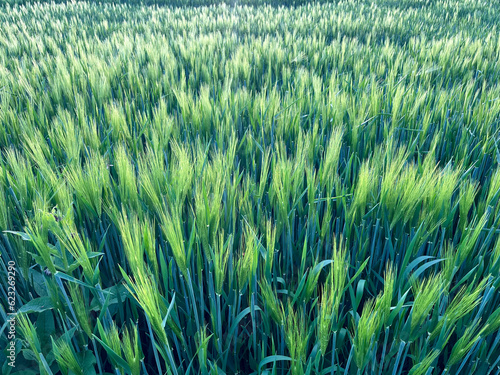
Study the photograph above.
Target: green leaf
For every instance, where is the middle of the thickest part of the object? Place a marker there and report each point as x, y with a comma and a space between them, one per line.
24, 236
37, 305
358, 272
38, 282
117, 358
272, 359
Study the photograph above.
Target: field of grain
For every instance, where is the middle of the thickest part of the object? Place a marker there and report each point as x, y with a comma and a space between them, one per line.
242, 188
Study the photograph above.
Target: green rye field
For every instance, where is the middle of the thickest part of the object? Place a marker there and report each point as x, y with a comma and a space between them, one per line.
250, 188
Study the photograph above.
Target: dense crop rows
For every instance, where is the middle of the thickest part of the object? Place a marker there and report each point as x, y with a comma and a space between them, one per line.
303, 190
